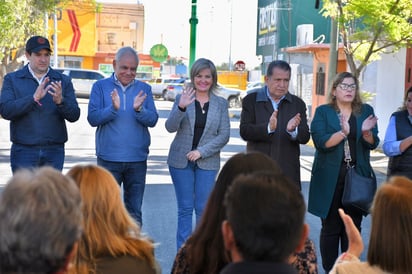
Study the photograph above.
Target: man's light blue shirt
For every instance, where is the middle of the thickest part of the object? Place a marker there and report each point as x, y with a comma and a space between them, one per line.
391, 146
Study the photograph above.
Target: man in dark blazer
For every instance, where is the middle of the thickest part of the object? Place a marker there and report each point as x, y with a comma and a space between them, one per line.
273, 121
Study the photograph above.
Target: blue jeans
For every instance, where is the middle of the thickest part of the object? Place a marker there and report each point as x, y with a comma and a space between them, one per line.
22, 156
192, 187
133, 177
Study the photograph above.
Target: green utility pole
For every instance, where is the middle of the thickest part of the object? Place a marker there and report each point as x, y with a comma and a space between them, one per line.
193, 22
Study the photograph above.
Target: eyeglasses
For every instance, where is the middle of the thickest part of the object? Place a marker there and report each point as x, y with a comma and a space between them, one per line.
347, 86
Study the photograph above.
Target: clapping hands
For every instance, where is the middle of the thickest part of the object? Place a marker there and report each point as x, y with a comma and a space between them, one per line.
369, 123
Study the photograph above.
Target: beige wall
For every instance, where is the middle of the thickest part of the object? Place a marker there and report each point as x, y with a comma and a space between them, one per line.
120, 25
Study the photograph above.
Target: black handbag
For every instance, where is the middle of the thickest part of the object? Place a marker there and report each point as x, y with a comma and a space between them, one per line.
359, 190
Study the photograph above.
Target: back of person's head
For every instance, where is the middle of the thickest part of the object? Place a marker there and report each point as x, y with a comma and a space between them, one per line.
108, 228
40, 221
265, 212
390, 244
213, 258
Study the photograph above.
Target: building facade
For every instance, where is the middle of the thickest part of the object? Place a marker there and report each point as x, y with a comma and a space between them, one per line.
87, 38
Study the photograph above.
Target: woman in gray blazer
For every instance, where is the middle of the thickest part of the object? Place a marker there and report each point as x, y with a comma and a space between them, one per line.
201, 122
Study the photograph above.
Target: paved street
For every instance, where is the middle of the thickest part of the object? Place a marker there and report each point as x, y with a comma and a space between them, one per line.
159, 206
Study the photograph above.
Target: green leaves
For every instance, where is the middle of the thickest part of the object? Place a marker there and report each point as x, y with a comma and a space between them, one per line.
21, 19
369, 28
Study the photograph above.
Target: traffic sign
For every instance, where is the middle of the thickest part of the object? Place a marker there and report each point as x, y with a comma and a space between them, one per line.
240, 65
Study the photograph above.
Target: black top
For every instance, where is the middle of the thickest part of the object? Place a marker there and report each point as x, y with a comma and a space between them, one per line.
200, 122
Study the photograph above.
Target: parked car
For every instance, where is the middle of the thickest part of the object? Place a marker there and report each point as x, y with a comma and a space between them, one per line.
230, 94
159, 85
252, 87
82, 79
254, 84
172, 91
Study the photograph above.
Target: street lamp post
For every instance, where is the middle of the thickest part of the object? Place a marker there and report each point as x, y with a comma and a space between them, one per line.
193, 22
230, 36
333, 51
55, 53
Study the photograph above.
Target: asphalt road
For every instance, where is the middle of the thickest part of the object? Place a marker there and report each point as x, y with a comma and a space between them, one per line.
159, 205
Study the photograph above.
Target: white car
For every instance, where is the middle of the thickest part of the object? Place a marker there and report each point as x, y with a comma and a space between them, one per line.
159, 85
82, 79
232, 95
252, 87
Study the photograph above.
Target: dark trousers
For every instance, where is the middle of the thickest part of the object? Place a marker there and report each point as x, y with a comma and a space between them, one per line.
133, 177
22, 156
333, 230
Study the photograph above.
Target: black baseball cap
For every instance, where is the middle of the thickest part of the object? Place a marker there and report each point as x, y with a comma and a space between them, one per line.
37, 43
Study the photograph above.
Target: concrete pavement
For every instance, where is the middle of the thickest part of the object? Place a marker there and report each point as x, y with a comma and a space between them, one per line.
159, 205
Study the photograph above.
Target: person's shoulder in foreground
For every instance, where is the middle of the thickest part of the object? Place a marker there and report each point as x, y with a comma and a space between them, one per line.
41, 222
260, 239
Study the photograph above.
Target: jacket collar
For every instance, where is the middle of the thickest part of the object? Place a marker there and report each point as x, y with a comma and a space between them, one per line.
25, 73
261, 95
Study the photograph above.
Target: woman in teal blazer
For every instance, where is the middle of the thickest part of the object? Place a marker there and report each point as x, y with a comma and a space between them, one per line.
344, 117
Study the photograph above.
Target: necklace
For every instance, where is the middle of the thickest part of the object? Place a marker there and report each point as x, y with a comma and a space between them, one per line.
204, 107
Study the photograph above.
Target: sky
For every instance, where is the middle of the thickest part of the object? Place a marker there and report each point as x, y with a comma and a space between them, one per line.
226, 28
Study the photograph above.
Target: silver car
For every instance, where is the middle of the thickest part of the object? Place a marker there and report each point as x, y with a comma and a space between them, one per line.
230, 94
82, 79
159, 85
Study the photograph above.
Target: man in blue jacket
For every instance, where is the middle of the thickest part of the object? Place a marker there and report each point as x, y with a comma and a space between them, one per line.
37, 100
122, 109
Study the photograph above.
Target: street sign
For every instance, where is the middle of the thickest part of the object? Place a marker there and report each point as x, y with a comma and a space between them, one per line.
240, 65
159, 53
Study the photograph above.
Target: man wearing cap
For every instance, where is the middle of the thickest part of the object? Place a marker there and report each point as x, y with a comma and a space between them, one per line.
37, 100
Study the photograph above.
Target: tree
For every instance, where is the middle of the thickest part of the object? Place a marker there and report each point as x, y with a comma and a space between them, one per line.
18, 21
369, 28
223, 66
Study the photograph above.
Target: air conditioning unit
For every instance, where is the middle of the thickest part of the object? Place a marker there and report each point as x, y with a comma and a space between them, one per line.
304, 34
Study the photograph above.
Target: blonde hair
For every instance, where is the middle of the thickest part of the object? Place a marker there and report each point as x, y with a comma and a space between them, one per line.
390, 245
109, 230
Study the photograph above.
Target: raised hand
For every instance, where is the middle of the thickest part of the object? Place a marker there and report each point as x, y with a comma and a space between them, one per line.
115, 99
344, 124
187, 97
42, 89
139, 100
55, 90
369, 123
293, 123
273, 121
355, 245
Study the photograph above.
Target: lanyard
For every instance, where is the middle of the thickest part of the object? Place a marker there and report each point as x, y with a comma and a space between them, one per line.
348, 158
